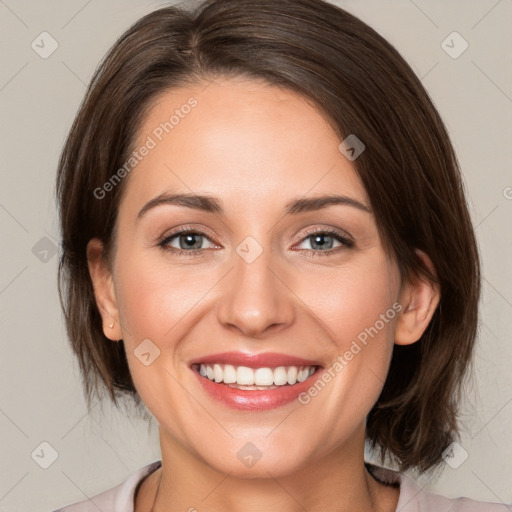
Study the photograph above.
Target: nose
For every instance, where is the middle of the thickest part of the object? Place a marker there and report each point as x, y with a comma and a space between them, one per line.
256, 297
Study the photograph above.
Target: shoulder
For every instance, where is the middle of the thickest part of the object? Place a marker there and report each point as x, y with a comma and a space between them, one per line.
413, 498
117, 499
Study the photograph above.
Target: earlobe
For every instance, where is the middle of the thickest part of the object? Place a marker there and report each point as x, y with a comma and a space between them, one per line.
419, 298
104, 292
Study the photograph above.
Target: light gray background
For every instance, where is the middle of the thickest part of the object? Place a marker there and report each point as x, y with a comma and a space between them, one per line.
40, 392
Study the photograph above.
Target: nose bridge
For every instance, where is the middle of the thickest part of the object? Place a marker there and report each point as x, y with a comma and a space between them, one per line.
255, 297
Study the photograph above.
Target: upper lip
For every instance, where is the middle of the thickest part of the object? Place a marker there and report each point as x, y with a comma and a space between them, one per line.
262, 360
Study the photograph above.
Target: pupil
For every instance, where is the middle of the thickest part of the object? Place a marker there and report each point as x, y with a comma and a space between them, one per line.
316, 237
190, 241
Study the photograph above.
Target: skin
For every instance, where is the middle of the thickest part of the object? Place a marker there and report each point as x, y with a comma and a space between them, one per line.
255, 147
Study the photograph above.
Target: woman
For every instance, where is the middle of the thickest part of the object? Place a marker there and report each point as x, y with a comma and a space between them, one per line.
266, 243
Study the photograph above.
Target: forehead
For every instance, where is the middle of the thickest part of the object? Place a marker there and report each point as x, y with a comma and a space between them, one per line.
242, 140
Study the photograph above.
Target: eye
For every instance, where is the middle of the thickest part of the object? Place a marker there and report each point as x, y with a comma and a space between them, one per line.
320, 247
189, 242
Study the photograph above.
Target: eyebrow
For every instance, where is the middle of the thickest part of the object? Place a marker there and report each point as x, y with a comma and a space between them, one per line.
211, 204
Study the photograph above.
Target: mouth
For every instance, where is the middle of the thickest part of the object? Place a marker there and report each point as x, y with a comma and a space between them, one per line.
252, 386
246, 378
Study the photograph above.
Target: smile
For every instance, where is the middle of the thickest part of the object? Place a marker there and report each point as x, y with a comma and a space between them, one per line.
254, 389
243, 377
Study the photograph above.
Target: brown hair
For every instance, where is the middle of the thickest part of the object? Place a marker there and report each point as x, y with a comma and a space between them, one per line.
409, 170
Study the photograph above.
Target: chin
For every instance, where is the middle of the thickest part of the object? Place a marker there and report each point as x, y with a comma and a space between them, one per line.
251, 460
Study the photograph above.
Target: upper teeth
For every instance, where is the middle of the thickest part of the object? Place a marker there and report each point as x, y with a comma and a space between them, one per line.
229, 374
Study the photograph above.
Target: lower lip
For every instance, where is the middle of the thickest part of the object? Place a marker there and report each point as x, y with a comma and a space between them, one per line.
258, 399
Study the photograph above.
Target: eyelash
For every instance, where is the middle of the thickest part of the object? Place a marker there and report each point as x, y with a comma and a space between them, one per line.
347, 243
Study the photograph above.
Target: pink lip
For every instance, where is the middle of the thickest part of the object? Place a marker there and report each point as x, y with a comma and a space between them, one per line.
263, 360
255, 400
258, 399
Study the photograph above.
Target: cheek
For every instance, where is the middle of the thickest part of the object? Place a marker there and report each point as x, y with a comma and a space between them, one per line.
354, 300
359, 315
157, 303
153, 298
355, 306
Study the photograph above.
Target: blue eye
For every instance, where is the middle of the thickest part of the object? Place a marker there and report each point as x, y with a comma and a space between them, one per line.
321, 248
190, 242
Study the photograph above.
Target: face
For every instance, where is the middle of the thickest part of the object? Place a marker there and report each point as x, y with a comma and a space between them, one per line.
253, 277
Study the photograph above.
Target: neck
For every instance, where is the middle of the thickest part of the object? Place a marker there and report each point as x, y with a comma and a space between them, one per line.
186, 483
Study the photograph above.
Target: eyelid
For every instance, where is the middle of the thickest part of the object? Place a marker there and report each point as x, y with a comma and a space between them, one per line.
327, 230
186, 229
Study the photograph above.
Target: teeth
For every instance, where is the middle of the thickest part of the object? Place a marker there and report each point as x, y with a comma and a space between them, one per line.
280, 376
264, 377
292, 375
218, 374
229, 374
245, 376
303, 375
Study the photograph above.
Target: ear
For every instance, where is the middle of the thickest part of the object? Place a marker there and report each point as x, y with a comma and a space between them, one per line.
419, 298
104, 291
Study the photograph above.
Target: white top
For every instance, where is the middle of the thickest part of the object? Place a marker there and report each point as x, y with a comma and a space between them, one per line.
412, 497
